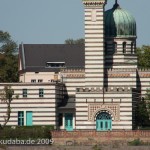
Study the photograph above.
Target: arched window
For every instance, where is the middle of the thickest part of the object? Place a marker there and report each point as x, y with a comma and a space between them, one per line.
115, 47
124, 47
103, 122
132, 47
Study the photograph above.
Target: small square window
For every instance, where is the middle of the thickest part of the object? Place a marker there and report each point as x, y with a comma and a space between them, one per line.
41, 92
33, 80
40, 80
24, 93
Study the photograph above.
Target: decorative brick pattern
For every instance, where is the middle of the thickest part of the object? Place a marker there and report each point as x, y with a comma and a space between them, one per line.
72, 70
145, 75
112, 109
75, 75
94, 134
125, 75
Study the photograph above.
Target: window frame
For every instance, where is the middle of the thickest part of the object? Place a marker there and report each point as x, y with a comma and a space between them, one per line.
115, 47
40, 80
55, 65
132, 47
20, 118
24, 93
124, 45
41, 92
33, 80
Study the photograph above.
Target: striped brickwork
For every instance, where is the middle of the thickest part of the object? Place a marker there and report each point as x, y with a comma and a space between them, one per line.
120, 77
110, 82
73, 78
43, 108
116, 101
94, 43
118, 57
143, 77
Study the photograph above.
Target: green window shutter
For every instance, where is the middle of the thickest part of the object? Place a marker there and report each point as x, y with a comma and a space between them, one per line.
29, 118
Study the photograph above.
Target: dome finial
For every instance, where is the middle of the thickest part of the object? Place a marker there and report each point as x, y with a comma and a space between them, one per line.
116, 5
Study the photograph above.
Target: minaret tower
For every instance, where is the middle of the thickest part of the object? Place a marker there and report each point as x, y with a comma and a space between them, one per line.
94, 42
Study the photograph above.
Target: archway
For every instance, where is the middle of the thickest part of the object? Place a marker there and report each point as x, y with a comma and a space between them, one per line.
103, 122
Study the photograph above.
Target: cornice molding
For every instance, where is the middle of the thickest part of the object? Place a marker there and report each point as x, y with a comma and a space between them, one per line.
94, 2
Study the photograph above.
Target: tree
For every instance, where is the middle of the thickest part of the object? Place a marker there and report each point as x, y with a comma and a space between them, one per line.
147, 99
8, 58
6, 98
72, 41
143, 54
143, 111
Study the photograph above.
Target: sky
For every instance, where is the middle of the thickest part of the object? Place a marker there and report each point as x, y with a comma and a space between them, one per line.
54, 21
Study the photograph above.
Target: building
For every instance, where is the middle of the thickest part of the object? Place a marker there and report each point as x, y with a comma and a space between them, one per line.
82, 87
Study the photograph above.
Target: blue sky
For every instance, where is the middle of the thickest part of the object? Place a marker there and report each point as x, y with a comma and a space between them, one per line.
53, 21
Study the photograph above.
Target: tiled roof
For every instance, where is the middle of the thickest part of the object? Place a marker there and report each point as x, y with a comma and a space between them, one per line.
35, 56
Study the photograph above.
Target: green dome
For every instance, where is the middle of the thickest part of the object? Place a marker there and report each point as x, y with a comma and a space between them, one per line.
119, 23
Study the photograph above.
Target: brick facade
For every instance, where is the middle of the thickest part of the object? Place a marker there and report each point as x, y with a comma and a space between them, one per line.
91, 137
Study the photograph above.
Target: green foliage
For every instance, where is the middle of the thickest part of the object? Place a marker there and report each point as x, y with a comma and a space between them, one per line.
135, 142
143, 54
143, 111
142, 116
26, 132
147, 99
144, 128
6, 97
72, 41
96, 147
4, 36
8, 58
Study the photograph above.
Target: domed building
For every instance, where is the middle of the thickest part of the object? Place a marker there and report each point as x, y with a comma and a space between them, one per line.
120, 34
119, 23
95, 86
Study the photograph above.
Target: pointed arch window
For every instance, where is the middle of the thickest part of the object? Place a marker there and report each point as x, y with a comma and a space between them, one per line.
115, 47
132, 47
124, 47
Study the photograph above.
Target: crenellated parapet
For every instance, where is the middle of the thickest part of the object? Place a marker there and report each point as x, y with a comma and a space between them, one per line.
144, 73
120, 70
105, 90
72, 71
75, 75
120, 73
144, 70
93, 2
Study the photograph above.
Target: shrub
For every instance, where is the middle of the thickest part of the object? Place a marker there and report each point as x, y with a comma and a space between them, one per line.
96, 147
135, 142
26, 132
